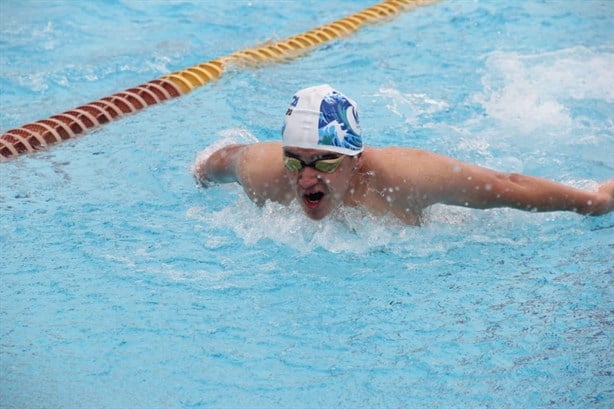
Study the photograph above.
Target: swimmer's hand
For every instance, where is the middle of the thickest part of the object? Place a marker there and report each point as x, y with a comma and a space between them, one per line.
604, 202
199, 170
217, 164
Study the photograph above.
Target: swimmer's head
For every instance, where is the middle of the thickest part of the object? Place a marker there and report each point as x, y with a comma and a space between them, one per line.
322, 118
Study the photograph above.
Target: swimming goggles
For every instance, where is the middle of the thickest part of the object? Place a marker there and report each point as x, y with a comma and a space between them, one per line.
323, 165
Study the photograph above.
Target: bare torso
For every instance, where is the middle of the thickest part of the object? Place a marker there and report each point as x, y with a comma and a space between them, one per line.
398, 181
375, 185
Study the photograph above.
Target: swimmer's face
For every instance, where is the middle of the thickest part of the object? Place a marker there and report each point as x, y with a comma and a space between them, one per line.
320, 179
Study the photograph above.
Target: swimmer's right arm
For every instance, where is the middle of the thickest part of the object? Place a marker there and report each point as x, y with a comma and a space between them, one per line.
219, 167
257, 167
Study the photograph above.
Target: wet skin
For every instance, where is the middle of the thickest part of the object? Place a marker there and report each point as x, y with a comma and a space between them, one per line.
394, 180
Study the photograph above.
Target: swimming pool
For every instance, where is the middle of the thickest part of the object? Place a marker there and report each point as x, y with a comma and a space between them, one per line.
124, 285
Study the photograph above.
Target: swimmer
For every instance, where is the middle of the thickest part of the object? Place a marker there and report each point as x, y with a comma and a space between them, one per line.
322, 163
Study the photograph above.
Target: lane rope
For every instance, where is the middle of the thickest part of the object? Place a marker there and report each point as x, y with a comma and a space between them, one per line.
41, 134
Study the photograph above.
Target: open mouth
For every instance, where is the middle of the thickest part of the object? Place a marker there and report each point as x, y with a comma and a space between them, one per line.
313, 199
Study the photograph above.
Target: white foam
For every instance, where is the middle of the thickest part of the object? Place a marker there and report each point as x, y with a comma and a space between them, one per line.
356, 231
530, 92
346, 230
410, 106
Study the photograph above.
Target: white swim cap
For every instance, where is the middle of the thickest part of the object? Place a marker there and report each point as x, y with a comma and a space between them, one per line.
322, 118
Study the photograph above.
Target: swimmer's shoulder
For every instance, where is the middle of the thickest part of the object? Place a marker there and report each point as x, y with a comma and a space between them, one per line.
263, 149
262, 158
262, 172
393, 153
391, 161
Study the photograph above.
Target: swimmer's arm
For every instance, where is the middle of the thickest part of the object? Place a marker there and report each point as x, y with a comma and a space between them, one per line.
219, 167
457, 183
257, 167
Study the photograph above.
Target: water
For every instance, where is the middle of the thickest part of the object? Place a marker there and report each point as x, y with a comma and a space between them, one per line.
124, 285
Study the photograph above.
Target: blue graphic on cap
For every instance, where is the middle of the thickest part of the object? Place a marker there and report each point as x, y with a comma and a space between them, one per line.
338, 125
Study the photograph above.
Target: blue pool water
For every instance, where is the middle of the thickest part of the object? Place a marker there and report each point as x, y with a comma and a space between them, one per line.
123, 285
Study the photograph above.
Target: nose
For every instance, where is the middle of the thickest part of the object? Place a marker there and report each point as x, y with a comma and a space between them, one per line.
308, 177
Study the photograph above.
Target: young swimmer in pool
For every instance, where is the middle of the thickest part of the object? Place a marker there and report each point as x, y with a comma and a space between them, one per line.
322, 163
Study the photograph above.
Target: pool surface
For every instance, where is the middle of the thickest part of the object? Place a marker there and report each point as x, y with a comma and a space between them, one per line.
124, 285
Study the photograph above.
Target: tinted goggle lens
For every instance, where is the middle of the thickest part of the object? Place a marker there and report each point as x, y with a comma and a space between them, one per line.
292, 164
323, 165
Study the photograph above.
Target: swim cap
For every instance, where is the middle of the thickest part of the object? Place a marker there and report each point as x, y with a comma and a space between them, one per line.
321, 117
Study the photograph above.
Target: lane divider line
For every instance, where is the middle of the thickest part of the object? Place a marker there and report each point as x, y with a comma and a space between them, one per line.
41, 134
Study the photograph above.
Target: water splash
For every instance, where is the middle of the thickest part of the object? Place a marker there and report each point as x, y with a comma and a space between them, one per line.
356, 231
537, 91
410, 106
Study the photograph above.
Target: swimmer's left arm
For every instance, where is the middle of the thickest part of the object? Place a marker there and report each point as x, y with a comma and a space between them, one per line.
495, 189
456, 183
